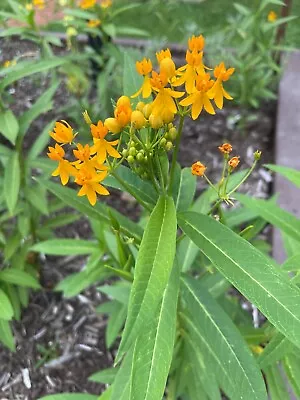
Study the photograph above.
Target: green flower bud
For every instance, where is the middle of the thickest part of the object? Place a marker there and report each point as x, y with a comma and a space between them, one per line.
130, 159
163, 141
169, 146
132, 151
172, 133
140, 156
125, 153
257, 155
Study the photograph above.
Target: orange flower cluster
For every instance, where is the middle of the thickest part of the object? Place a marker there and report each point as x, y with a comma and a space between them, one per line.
88, 170
200, 87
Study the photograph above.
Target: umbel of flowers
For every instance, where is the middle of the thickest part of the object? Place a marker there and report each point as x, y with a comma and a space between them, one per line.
140, 135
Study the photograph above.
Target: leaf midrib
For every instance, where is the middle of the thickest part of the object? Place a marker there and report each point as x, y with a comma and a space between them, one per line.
220, 332
242, 269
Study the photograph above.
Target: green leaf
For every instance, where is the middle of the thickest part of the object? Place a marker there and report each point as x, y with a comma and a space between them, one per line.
154, 347
9, 126
132, 81
279, 22
37, 196
106, 376
64, 247
123, 9
77, 282
41, 106
120, 291
280, 218
292, 368
27, 68
186, 190
249, 270
6, 335
292, 263
237, 370
80, 13
131, 31
203, 370
115, 323
12, 181
121, 386
6, 310
98, 212
278, 347
106, 395
152, 270
290, 173
187, 253
19, 277
70, 396
276, 385
143, 189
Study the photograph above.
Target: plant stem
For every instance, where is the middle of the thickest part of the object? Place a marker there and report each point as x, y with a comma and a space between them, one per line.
175, 154
244, 179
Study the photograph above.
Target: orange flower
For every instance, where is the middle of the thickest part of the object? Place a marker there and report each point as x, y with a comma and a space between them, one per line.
196, 43
101, 146
166, 64
87, 3
226, 148
218, 92
198, 168
39, 4
190, 71
234, 162
56, 153
200, 98
89, 180
62, 132
93, 23
144, 68
272, 16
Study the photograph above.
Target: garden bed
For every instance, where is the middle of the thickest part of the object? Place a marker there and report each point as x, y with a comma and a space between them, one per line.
70, 327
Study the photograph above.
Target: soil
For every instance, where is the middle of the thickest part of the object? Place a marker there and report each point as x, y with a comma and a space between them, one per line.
71, 327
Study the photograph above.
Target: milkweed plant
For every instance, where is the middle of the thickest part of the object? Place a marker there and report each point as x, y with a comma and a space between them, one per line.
184, 335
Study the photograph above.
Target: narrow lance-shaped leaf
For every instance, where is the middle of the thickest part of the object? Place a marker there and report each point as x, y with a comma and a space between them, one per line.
98, 212
6, 310
9, 126
250, 271
280, 218
238, 372
289, 173
12, 177
63, 247
152, 270
154, 348
278, 347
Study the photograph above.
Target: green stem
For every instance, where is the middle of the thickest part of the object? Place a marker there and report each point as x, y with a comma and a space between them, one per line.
175, 154
244, 179
152, 175
210, 183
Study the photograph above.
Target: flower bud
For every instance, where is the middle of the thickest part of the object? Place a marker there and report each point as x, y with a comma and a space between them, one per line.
198, 169
140, 156
163, 142
138, 120
132, 151
140, 106
123, 101
147, 110
112, 125
167, 67
234, 162
169, 146
155, 121
130, 159
125, 153
172, 133
87, 117
257, 155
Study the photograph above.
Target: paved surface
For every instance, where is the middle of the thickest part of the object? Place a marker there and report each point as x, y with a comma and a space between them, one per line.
287, 150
